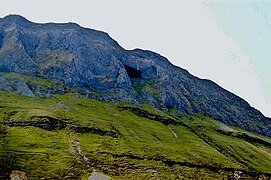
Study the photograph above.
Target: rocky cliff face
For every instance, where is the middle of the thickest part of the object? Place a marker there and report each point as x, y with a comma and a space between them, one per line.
90, 60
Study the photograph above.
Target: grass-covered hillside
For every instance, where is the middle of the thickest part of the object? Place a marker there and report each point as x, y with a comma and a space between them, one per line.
70, 137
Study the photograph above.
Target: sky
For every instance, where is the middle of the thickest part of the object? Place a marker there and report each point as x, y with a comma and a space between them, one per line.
226, 41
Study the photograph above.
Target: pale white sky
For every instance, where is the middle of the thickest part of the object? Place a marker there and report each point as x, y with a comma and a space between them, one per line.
184, 31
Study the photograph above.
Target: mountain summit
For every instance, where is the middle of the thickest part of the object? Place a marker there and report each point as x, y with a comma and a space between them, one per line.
96, 64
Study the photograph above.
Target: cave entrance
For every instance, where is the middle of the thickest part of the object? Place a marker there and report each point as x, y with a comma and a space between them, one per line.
132, 72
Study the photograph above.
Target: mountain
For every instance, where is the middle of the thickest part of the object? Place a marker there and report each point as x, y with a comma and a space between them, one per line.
85, 58
73, 101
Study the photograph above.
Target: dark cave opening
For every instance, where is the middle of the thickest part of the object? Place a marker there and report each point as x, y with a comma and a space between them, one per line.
132, 72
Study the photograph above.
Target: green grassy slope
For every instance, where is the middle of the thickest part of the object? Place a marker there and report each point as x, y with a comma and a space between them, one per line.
68, 140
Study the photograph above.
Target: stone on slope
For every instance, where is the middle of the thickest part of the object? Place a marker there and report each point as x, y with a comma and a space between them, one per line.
98, 176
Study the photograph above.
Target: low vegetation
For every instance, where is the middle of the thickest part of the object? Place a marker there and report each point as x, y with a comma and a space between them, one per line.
68, 137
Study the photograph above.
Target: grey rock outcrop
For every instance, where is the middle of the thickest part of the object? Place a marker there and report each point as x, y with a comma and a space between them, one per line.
98, 176
91, 60
5, 85
22, 88
15, 85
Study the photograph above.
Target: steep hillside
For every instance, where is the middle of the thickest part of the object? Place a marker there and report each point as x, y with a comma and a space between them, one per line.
89, 59
76, 105
70, 137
